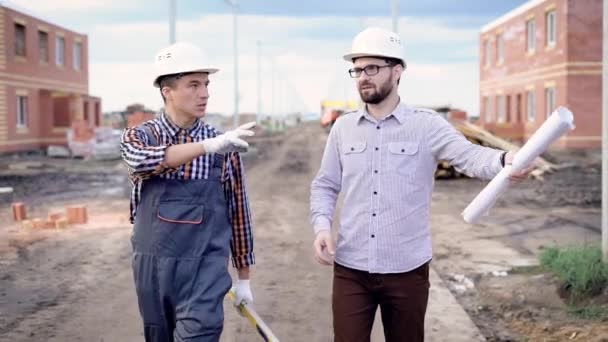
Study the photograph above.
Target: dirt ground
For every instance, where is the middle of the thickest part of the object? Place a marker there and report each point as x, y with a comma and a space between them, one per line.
76, 284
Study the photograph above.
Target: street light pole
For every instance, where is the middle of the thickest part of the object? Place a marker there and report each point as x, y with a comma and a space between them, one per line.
172, 14
259, 87
235, 119
605, 136
395, 14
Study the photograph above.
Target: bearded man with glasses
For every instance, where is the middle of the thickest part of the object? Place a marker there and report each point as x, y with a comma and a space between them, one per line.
383, 159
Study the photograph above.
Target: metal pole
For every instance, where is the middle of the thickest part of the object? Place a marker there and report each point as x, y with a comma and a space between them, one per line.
272, 108
395, 13
236, 67
172, 14
259, 88
605, 136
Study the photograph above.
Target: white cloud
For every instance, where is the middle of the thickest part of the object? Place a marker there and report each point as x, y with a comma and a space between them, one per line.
83, 6
309, 70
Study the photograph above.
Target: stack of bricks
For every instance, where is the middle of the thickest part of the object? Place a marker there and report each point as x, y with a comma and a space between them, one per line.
76, 214
19, 213
58, 220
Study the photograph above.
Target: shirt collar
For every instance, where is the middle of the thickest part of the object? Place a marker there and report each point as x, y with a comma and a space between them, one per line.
174, 129
399, 113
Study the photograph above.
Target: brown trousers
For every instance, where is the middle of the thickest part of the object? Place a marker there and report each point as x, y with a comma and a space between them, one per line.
402, 298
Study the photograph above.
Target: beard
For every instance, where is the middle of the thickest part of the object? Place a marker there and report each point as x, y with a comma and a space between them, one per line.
377, 94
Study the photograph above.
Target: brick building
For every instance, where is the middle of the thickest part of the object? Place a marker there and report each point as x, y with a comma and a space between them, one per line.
43, 82
543, 54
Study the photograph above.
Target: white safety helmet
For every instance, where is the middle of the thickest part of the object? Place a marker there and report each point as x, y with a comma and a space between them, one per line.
180, 58
376, 42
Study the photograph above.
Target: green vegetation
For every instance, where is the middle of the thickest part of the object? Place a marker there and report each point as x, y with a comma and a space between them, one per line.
580, 269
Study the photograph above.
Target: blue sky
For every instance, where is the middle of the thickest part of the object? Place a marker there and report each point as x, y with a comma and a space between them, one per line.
301, 45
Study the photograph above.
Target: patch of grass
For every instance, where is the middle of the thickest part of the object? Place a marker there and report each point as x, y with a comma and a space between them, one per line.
591, 312
580, 269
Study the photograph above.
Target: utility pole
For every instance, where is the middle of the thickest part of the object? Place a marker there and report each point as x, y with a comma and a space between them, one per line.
172, 14
259, 88
605, 135
235, 119
395, 13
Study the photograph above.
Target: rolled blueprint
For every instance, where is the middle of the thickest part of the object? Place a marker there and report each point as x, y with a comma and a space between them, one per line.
560, 122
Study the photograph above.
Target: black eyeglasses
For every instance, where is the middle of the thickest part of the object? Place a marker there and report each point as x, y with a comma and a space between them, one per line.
369, 70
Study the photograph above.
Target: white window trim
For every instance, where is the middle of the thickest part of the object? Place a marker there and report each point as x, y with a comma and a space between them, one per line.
59, 52
22, 112
77, 57
486, 108
549, 107
531, 36
487, 51
530, 106
500, 48
501, 112
551, 38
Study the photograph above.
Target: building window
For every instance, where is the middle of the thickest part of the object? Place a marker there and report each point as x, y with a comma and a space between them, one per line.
20, 40
21, 111
77, 55
499, 49
59, 51
551, 37
487, 109
487, 51
531, 106
43, 46
549, 100
531, 35
500, 108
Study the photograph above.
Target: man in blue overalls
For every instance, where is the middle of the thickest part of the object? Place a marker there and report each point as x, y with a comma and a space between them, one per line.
189, 206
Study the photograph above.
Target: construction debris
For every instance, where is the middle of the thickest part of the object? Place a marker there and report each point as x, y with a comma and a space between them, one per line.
480, 136
101, 143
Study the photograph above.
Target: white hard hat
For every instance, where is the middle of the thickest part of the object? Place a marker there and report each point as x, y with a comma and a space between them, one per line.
376, 42
180, 58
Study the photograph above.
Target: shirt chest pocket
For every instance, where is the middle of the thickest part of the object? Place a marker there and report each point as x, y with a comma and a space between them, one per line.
353, 157
403, 158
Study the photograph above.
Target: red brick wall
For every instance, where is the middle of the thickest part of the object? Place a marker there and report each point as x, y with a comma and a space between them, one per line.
572, 66
585, 30
53, 91
48, 73
138, 118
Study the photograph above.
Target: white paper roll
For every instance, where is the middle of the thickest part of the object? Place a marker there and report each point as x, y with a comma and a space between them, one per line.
560, 122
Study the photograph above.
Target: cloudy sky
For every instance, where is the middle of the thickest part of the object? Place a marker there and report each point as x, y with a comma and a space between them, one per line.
301, 47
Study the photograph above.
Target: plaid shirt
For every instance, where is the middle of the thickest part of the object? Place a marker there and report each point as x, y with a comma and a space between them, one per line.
145, 161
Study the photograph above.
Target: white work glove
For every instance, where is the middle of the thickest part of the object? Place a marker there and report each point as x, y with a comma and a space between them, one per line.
230, 141
242, 292
324, 248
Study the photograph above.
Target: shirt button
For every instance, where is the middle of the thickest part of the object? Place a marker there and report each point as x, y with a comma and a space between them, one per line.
352, 148
374, 214
375, 192
377, 127
373, 236
402, 150
375, 171
377, 149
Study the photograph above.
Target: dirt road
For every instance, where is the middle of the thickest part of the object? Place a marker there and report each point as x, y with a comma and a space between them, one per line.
76, 284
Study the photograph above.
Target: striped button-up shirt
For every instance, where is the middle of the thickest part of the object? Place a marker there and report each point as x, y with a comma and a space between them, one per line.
146, 160
385, 172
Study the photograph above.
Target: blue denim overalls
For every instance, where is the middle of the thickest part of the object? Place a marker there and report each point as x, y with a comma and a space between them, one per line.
181, 246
